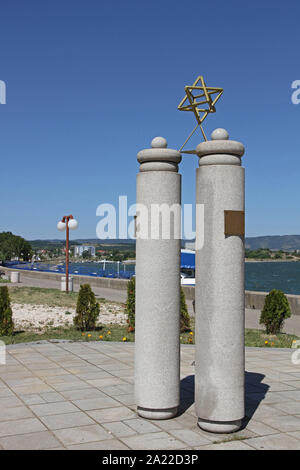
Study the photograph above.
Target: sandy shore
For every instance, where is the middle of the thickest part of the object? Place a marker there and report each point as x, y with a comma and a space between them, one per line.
40, 317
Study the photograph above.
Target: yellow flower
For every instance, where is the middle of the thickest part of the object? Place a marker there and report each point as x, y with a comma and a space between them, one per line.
109, 332
89, 336
100, 337
266, 342
191, 333
124, 338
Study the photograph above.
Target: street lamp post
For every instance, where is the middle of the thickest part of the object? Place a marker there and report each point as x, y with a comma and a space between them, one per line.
67, 223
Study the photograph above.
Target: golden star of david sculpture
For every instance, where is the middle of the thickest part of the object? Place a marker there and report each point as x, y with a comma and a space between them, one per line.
194, 101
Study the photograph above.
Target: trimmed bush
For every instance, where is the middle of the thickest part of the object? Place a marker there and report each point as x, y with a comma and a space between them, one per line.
130, 304
87, 309
185, 321
275, 311
6, 321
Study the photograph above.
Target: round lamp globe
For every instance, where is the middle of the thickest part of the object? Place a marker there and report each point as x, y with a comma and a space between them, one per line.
61, 226
73, 224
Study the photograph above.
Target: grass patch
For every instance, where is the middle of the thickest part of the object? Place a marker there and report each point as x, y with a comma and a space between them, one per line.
117, 333
254, 338
107, 332
188, 336
259, 338
44, 296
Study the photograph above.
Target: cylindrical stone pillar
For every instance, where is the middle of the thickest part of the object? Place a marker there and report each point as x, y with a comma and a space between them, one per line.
14, 276
219, 291
157, 322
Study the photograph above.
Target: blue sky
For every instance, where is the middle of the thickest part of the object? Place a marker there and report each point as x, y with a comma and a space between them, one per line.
90, 83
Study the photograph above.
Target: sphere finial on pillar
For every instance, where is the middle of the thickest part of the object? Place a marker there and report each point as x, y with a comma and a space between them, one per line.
159, 143
219, 134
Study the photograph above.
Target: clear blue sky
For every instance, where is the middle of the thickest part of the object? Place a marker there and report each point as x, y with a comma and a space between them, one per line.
90, 83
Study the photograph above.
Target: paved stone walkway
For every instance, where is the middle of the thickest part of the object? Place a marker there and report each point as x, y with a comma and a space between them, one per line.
80, 396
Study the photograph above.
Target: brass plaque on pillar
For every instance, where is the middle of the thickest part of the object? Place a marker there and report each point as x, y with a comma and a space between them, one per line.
234, 223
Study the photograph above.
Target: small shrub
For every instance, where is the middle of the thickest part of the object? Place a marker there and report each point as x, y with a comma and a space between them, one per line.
276, 310
87, 309
185, 321
6, 321
130, 304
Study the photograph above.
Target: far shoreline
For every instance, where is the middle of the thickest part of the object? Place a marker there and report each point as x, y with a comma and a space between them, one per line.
265, 260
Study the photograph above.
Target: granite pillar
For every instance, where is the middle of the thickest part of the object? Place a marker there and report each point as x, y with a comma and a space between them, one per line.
157, 342
219, 291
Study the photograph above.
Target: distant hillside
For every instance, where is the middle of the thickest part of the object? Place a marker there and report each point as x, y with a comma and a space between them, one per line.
274, 242
86, 241
108, 241
48, 244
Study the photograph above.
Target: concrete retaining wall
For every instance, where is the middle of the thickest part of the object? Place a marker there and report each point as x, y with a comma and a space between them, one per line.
119, 284
257, 300
253, 299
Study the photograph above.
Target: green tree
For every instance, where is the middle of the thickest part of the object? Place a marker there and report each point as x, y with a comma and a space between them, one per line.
185, 321
276, 310
87, 309
130, 304
14, 246
260, 253
6, 321
86, 254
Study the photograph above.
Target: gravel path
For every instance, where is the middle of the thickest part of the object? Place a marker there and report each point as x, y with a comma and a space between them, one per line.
39, 317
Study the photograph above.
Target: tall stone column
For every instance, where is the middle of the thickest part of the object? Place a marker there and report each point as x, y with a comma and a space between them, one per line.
157, 322
219, 291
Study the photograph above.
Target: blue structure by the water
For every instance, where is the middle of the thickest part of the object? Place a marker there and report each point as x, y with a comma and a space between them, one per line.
83, 269
112, 270
188, 260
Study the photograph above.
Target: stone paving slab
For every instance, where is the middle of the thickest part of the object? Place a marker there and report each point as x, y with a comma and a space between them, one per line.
75, 396
30, 441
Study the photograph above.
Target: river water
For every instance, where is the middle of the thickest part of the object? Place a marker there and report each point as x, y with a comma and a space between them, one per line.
265, 276
259, 276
